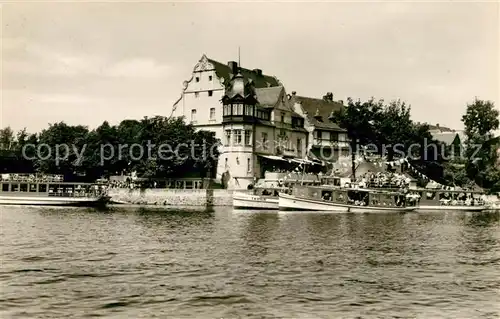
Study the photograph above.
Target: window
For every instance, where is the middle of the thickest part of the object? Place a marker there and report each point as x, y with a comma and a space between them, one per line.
196, 94
282, 117
235, 109
264, 140
237, 137
5, 187
32, 188
193, 116
240, 109
248, 137
299, 147
249, 165
228, 138
210, 93
210, 78
318, 134
334, 137
42, 188
227, 110
24, 187
212, 113
248, 110
197, 79
226, 164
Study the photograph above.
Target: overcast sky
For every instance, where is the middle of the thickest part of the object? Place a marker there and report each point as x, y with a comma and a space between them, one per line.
90, 62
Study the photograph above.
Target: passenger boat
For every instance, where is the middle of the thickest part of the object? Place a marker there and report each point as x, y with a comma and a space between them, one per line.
49, 190
339, 200
451, 200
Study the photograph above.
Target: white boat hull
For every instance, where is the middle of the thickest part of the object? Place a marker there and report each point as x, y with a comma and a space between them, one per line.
452, 208
52, 201
246, 201
290, 202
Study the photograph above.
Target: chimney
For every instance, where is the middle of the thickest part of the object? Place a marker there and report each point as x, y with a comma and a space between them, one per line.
233, 66
328, 97
258, 72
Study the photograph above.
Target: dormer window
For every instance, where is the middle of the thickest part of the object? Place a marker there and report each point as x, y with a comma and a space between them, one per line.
210, 78
197, 79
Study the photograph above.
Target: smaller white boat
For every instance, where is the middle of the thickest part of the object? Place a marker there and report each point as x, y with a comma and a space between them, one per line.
258, 198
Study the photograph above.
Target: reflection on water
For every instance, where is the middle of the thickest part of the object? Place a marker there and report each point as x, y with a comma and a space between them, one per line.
196, 263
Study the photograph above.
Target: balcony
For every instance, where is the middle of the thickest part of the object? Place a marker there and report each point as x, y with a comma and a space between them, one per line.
329, 143
288, 152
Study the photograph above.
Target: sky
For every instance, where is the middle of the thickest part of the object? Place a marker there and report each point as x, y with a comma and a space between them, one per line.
84, 63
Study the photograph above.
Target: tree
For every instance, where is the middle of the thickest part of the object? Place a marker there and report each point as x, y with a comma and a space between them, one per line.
480, 120
7, 138
357, 119
62, 149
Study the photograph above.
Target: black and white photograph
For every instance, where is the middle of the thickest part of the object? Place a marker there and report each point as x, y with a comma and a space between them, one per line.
250, 159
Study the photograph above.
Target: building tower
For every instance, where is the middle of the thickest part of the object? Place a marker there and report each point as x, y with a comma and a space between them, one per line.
238, 121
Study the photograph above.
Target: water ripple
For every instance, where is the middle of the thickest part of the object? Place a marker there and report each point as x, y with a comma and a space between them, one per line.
171, 264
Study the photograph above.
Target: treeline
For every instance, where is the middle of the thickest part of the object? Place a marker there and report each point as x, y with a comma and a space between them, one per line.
385, 128
157, 147
389, 130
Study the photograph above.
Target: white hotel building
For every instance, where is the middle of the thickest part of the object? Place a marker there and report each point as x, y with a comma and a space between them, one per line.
258, 123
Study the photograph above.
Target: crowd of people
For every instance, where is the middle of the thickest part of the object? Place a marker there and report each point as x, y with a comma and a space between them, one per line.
383, 180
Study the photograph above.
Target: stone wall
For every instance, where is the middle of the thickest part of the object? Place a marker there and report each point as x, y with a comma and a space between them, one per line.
172, 197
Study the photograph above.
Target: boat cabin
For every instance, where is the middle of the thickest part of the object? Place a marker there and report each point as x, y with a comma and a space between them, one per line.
432, 197
46, 185
356, 196
271, 192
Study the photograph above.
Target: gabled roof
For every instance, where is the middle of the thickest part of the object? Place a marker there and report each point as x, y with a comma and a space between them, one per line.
447, 138
321, 107
440, 128
260, 81
268, 97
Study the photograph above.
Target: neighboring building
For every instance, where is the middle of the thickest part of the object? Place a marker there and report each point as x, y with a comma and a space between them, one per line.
451, 138
249, 112
326, 141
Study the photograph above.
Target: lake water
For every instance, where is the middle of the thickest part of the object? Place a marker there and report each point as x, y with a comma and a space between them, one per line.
140, 263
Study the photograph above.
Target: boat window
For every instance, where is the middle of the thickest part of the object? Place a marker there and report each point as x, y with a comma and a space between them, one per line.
444, 196
326, 195
42, 188
430, 195
5, 187
24, 187
341, 197
15, 187
32, 188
